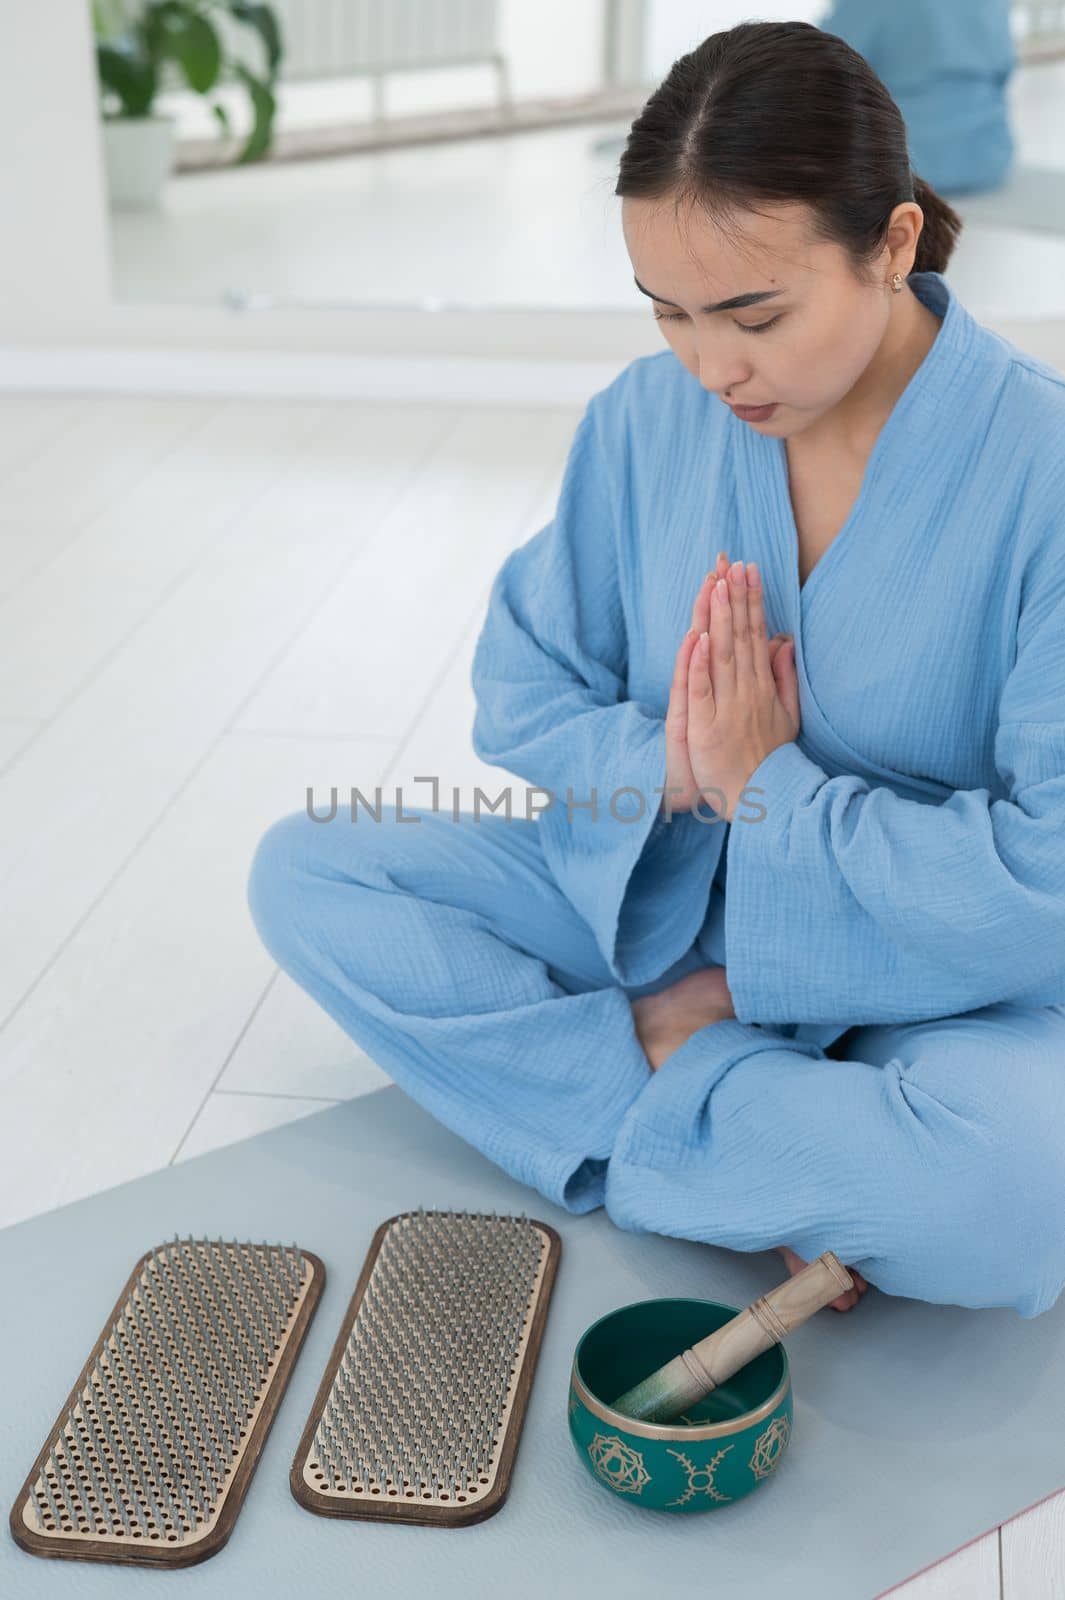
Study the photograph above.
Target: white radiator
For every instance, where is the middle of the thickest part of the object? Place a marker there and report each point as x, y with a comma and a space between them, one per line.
342, 38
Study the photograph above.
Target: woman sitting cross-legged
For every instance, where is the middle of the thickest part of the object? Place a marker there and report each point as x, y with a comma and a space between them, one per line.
781, 965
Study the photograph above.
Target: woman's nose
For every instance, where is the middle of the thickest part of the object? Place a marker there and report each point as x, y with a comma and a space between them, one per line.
721, 377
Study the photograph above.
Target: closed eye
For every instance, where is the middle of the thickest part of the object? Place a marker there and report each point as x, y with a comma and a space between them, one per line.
757, 327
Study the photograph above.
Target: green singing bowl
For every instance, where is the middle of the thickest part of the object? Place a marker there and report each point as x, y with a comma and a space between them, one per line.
712, 1454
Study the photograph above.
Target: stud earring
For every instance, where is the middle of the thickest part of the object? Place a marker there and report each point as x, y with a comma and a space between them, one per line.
896, 282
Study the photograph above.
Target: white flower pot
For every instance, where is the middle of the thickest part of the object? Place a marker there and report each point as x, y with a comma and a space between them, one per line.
138, 154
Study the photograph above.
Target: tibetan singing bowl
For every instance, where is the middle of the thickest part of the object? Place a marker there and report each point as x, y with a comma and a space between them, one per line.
716, 1451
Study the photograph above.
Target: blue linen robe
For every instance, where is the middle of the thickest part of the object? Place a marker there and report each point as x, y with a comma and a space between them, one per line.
906, 881
947, 65
911, 862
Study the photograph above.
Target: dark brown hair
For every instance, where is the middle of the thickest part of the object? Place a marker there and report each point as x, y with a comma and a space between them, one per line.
783, 111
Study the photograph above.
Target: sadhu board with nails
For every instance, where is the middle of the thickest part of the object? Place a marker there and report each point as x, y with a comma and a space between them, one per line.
151, 1455
420, 1409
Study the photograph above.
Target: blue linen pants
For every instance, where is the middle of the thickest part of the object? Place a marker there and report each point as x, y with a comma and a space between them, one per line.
929, 1155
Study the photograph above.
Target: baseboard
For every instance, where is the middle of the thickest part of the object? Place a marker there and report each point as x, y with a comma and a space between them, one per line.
285, 374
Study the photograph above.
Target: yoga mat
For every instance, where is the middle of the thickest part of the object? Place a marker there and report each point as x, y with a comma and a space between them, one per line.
917, 1427
1032, 197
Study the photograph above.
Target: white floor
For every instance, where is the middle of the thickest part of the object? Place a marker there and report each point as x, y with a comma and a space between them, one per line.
523, 221
206, 606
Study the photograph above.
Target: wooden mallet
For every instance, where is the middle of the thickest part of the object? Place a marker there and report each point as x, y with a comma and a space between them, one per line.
696, 1371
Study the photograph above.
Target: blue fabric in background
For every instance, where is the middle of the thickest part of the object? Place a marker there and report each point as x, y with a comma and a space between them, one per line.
904, 884
946, 64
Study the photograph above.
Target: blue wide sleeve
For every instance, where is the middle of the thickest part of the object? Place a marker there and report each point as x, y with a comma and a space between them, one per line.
549, 676
848, 903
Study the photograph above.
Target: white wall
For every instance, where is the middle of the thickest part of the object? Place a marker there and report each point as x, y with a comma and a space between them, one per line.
54, 264
676, 26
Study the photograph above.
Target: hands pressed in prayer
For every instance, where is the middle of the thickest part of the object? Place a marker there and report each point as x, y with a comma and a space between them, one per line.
735, 691
679, 775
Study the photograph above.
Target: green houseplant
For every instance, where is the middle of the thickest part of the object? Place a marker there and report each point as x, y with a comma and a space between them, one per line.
138, 41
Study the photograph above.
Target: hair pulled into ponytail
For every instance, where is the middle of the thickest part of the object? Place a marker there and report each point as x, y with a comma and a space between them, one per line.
783, 111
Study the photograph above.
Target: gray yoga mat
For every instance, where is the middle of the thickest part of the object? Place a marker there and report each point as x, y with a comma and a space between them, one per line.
1032, 197
917, 1427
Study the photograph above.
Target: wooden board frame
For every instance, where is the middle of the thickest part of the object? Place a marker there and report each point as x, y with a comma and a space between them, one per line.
124, 1551
397, 1510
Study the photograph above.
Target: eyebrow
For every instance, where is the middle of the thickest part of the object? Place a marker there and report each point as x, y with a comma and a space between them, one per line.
754, 298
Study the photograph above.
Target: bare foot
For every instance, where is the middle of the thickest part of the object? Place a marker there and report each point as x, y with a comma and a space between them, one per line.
663, 1021
843, 1302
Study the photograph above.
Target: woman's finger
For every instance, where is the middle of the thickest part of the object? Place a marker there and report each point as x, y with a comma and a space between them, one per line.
741, 634
701, 609
722, 649
760, 658
677, 710
700, 689
786, 681
679, 775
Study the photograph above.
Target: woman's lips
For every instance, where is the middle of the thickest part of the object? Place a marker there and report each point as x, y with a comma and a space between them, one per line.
755, 413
